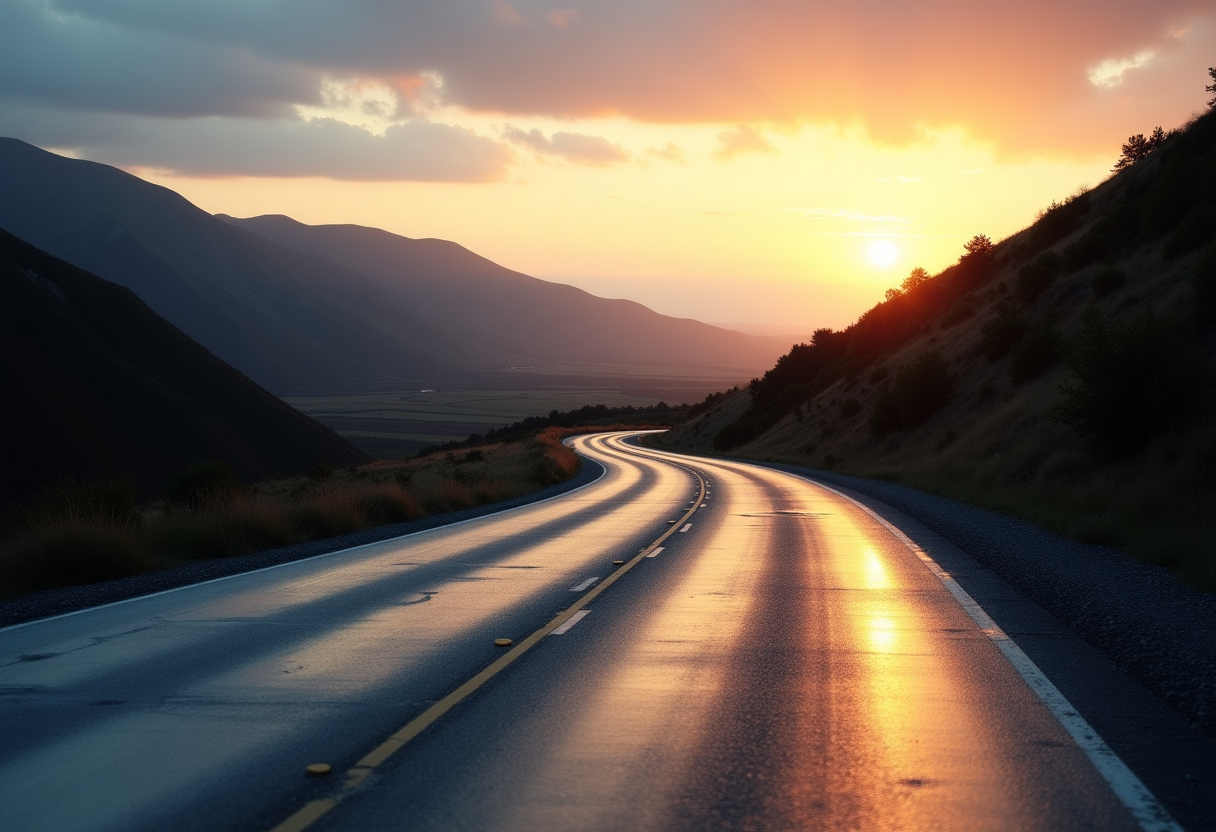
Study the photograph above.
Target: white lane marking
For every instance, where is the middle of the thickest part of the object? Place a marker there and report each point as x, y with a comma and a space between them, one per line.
585, 584
570, 622
655, 552
1132, 793
687, 526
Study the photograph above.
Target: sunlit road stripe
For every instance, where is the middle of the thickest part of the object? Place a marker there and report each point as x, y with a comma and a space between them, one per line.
655, 552
1128, 788
686, 527
584, 584
571, 621
314, 810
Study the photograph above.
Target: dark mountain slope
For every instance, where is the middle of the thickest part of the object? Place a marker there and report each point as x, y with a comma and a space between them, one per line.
512, 313
98, 386
291, 321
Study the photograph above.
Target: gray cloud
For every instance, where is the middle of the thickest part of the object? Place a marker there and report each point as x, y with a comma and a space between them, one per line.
415, 151
888, 66
579, 148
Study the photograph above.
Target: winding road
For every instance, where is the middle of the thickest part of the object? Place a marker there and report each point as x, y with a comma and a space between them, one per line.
695, 644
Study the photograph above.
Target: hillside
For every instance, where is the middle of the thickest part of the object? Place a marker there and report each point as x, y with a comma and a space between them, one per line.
1064, 375
510, 313
98, 386
292, 322
373, 311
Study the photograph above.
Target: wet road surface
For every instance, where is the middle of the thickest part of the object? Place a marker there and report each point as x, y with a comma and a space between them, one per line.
781, 660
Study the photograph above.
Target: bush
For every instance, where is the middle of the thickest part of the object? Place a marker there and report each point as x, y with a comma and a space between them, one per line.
918, 391
1002, 331
321, 472
70, 553
1197, 229
1034, 278
849, 408
1107, 281
111, 503
1036, 353
197, 485
1129, 382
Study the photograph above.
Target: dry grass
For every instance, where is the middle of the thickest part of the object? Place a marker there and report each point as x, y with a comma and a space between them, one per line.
67, 550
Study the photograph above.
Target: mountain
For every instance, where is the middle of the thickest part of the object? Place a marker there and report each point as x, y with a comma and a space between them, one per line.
98, 386
513, 314
290, 321
338, 308
1066, 374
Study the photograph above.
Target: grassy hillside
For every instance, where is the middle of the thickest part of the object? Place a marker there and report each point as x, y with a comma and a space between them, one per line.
1064, 375
293, 322
97, 386
512, 313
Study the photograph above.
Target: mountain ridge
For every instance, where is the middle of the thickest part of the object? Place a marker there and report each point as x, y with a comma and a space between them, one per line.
101, 387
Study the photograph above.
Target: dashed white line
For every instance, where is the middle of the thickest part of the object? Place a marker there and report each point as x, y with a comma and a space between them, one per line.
585, 584
687, 526
655, 552
570, 622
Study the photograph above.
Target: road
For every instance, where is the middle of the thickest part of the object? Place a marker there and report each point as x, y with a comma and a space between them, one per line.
780, 659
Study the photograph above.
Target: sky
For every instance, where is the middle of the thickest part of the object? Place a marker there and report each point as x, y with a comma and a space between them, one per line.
774, 163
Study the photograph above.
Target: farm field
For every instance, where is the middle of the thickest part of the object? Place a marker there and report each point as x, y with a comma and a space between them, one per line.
401, 423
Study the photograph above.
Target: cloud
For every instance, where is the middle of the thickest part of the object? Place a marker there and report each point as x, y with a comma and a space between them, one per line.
742, 139
670, 152
888, 68
418, 150
578, 148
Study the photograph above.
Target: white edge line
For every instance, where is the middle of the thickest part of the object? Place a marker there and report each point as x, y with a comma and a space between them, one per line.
655, 552
603, 473
570, 622
1132, 793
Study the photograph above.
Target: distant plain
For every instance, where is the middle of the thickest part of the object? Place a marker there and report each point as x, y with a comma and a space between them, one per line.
404, 422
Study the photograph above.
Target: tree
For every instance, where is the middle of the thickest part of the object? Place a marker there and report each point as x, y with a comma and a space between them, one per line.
1212, 86
917, 277
1138, 147
979, 247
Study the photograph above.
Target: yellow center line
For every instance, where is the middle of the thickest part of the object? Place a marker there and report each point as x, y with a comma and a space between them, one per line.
314, 810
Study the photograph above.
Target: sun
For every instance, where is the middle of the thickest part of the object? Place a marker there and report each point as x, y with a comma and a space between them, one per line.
884, 254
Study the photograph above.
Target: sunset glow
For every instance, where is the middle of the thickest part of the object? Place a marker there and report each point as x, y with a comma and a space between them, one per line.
731, 170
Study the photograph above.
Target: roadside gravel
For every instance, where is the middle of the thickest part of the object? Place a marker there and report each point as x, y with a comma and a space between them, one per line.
1159, 631
72, 598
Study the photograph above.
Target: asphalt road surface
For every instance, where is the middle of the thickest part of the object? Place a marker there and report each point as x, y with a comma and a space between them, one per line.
777, 658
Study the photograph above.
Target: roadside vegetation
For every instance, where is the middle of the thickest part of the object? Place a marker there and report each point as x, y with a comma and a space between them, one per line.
1066, 375
78, 533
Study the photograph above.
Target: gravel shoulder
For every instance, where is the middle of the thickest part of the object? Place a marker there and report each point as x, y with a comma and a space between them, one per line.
73, 598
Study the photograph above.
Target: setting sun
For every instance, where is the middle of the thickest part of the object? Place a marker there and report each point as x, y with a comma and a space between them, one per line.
883, 254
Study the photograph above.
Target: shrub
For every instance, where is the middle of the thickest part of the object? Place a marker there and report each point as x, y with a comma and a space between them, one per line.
1129, 381
1197, 229
849, 408
1036, 353
1002, 331
1034, 278
918, 391
1107, 281
238, 525
70, 553
197, 485
67, 500
381, 505
321, 472
326, 514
